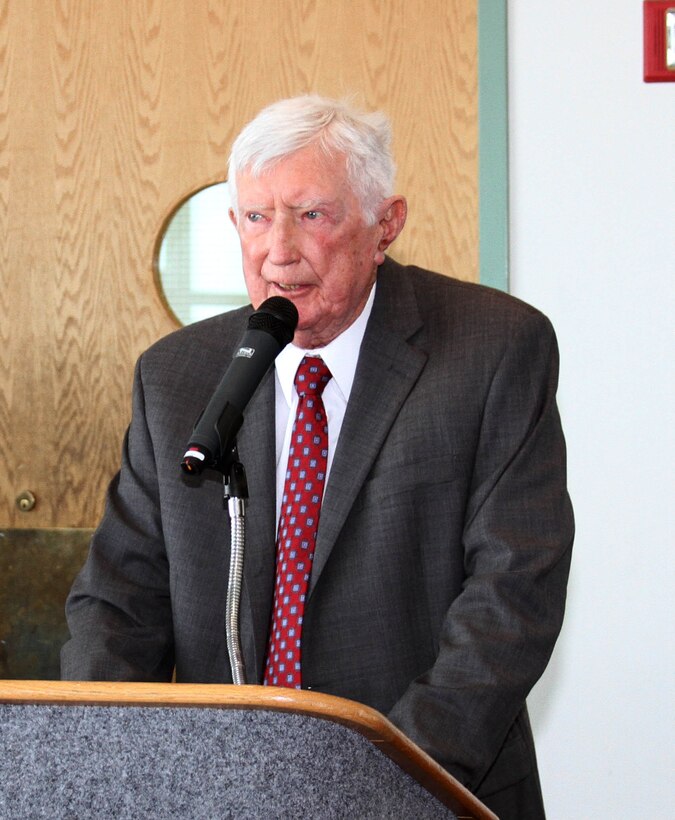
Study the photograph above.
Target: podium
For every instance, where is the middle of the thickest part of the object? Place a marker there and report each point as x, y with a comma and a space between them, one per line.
125, 750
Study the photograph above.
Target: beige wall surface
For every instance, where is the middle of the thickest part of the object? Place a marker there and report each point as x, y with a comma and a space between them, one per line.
110, 113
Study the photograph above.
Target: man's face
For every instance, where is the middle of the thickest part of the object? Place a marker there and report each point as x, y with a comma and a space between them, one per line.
303, 237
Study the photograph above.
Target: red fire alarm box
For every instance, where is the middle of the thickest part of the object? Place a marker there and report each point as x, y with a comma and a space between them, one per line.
659, 41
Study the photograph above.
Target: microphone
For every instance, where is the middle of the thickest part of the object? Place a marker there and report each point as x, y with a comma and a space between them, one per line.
270, 329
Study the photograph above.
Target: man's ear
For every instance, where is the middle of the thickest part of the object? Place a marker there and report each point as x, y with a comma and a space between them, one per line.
394, 212
233, 216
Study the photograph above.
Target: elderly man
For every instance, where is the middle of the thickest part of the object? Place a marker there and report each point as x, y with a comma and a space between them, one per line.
428, 580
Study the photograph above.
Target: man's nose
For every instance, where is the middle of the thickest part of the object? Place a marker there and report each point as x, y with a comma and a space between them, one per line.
283, 248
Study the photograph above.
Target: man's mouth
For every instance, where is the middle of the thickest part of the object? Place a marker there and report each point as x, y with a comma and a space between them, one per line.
287, 288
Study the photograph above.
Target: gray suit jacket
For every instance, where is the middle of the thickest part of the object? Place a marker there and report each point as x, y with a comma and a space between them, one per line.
438, 583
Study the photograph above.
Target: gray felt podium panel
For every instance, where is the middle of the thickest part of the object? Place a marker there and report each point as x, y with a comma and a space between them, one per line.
94, 761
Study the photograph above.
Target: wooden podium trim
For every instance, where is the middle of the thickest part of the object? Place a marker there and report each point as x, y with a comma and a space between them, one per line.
368, 722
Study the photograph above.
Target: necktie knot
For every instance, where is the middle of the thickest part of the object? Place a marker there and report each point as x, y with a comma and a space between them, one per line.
312, 376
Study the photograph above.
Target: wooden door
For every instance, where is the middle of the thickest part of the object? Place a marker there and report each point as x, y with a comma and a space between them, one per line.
110, 113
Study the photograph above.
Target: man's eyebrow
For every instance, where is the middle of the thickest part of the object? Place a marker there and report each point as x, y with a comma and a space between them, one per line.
303, 205
311, 202
252, 206
319, 204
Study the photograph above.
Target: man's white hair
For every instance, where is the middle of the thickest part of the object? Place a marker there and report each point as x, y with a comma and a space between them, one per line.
287, 126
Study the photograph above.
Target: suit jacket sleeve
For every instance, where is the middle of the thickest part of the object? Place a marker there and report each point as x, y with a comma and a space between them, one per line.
499, 632
119, 610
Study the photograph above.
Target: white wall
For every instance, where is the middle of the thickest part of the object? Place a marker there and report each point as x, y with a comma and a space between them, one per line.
592, 198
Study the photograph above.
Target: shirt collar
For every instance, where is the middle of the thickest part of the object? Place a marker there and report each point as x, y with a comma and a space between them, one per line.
341, 356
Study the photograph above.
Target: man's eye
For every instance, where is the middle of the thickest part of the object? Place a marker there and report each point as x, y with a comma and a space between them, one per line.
254, 217
313, 214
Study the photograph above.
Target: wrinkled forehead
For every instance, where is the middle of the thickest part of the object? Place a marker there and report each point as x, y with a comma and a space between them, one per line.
305, 176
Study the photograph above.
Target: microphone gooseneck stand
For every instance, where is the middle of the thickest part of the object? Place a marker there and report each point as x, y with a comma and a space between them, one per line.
235, 493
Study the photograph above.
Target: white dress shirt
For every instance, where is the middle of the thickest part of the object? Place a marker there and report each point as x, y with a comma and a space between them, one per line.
341, 356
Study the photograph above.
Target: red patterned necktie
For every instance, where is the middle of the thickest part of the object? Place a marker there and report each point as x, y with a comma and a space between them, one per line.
298, 523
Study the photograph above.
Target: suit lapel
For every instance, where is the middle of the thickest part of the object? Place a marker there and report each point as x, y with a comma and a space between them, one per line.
387, 371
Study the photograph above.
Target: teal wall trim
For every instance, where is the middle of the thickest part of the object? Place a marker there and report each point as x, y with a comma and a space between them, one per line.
493, 183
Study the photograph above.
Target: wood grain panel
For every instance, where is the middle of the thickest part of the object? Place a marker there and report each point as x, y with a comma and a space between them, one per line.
110, 113
6, 58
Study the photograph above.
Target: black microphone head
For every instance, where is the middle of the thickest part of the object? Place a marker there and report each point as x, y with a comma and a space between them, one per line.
278, 317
